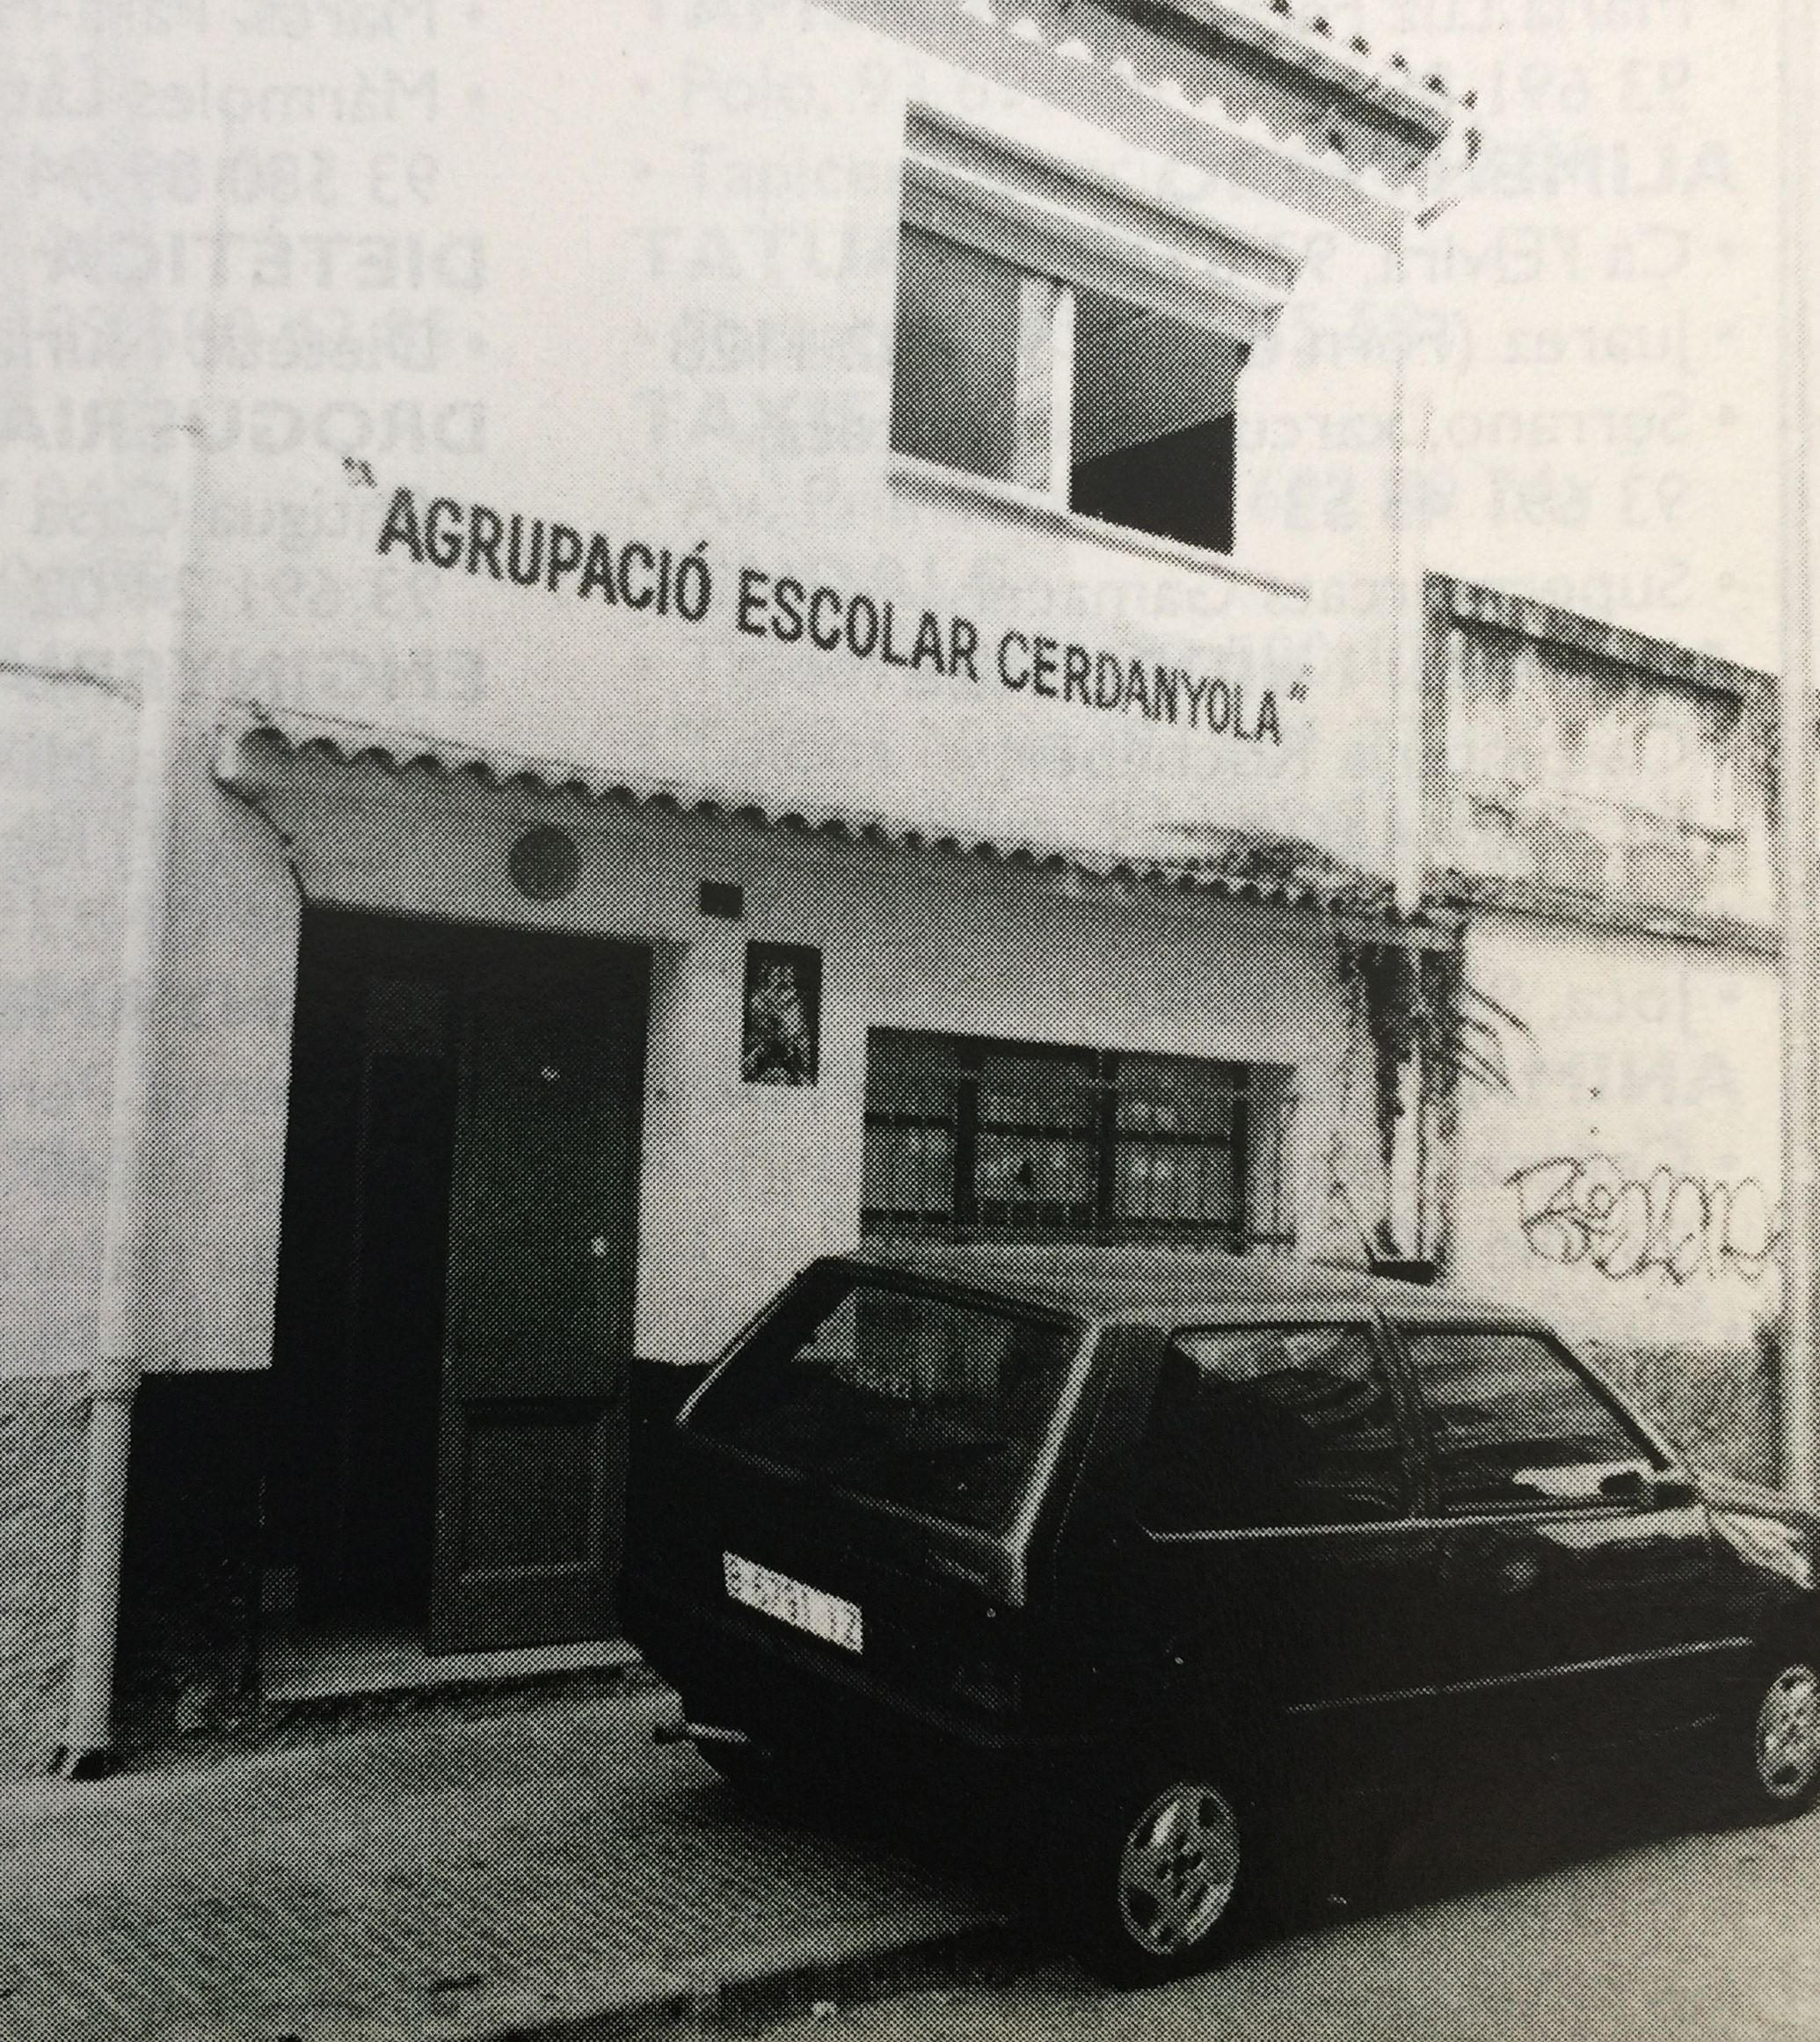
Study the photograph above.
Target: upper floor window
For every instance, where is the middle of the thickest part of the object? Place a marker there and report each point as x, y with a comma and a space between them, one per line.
1115, 411
1074, 340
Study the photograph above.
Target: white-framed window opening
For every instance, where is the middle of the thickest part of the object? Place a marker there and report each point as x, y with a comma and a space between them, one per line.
1073, 342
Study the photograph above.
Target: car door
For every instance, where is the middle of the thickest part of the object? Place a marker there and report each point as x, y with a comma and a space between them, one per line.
1280, 1553
1576, 1583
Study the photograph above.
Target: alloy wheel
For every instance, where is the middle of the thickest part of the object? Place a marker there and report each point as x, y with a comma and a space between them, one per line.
1787, 1745
1178, 1869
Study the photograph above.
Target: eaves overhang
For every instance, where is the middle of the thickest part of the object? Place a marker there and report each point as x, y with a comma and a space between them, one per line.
1307, 38
1035, 45
255, 743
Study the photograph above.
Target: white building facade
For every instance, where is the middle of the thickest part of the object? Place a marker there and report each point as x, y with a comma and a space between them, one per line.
771, 630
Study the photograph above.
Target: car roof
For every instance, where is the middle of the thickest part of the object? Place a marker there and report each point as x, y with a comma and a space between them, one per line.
1144, 1283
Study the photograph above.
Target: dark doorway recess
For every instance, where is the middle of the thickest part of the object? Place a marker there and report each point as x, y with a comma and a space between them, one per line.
455, 1281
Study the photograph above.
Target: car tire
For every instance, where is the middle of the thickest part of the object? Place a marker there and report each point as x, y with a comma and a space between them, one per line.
1161, 1878
1779, 1721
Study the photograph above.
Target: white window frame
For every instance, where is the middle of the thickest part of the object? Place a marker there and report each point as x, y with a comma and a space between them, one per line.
1077, 230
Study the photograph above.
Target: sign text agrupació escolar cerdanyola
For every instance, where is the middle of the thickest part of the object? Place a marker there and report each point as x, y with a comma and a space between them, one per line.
792, 610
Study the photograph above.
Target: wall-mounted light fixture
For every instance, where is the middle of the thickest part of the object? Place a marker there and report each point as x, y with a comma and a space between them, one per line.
545, 864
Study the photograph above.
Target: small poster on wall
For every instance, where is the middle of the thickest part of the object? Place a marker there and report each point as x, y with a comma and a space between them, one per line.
782, 1039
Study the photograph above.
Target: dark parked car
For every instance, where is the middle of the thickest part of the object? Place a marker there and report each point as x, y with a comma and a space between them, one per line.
1173, 1548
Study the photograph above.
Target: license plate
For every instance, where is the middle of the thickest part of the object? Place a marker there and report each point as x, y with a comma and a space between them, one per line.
829, 1617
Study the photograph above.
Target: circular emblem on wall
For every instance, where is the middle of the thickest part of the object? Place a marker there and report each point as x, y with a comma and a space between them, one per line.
545, 864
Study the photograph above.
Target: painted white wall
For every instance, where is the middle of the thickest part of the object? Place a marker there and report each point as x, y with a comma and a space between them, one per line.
66, 765
639, 278
219, 1098
742, 1183
222, 1087
1644, 1125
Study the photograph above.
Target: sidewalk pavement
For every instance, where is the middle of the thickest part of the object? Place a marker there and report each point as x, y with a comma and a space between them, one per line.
547, 1871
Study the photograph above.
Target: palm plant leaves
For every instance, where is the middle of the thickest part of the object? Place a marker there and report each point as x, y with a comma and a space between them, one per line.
1419, 1004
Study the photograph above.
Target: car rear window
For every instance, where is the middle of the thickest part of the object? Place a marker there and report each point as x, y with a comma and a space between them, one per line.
928, 1402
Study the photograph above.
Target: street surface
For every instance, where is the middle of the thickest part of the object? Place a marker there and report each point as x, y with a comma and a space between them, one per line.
528, 1869
546, 1869
1555, 1914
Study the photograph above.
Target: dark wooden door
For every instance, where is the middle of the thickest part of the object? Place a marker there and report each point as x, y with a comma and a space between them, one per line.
538, 1326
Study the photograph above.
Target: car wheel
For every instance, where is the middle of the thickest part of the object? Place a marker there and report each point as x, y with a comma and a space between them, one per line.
1162, 1882
1785, 1734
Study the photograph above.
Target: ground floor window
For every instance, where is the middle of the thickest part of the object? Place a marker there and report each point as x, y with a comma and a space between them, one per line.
967, 1136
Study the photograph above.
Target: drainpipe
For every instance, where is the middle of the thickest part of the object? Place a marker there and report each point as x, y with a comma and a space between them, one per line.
1402, 1198
1798, 844
1421, 1222
1407, 845
126, 1302
1411, 1219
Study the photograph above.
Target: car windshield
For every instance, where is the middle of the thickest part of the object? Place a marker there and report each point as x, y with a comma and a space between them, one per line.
919, 1400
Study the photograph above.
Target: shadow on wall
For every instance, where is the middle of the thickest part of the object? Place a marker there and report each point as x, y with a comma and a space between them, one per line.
190, 1626
41, 1427
189, 1588
658, 1387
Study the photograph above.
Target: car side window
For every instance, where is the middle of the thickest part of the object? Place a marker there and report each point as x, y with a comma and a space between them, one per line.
1514, 1423
1261, 1427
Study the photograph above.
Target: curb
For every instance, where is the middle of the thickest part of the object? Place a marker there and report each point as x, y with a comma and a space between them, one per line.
359, 1707
744, 2005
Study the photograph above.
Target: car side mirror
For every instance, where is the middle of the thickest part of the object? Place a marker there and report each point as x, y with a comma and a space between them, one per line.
1632, 1484
1672, 1489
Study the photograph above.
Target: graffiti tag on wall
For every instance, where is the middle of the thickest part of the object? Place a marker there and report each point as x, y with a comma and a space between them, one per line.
1591, 1209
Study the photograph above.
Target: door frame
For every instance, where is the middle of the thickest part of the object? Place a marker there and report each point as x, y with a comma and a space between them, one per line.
316, 1334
